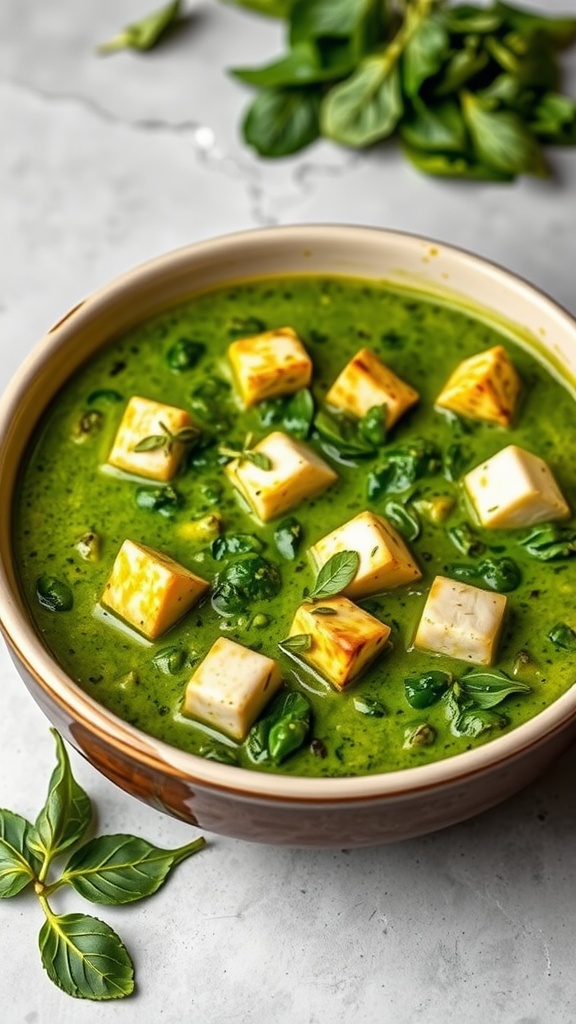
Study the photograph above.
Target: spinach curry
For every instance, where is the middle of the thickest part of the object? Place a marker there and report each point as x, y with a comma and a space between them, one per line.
409, 705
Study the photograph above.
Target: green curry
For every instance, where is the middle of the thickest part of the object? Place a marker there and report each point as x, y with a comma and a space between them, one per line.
409, 706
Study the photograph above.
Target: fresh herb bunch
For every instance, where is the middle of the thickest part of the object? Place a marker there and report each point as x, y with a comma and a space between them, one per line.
471, 91
81, 954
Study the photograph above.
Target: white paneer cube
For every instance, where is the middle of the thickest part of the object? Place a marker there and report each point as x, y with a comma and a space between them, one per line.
295, 473
343, 643
144, 418
270, 364
149, 590
385, 560
366, 382
515, 488
483, 387
230, 688
461, 621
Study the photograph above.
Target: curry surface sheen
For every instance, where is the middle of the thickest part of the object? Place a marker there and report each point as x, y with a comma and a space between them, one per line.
66, 491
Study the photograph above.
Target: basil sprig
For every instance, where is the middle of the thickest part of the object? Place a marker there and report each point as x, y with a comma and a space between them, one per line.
82, 955
335, 575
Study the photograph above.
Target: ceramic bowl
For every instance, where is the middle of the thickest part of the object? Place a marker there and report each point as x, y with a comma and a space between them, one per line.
274, 809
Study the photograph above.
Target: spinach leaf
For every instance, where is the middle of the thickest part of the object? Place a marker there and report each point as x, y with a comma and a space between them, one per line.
432, 128
244, 581
499, 574
146, 33
404, 518
453, 165
170, 660
372, 426
296, 644
282, 730
85, 957
476, 721
367, 106
282, 121
563, 636
500, 138
550, 542
288, 537
184, 354
402, 467
54, 594
426, 689
465, 540
234, 544
340, 435
425, 53
65, 816
165, 500
421, 735
456, 460
300, 66
560, 31
553, 119
271, 8
294, 412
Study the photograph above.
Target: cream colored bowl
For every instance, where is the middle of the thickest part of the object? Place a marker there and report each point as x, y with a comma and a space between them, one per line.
342, 812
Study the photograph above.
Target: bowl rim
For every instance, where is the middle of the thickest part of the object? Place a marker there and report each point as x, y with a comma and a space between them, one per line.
156, 755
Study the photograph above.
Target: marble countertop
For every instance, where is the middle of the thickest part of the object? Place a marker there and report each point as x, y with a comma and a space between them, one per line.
105, 163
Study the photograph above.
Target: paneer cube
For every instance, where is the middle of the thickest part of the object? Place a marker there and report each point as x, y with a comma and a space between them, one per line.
366, 382
342, 643
515, 488
385, 560
461, 621
149, 590
295, 473
270, 364
230, 688
144, 418
484, 387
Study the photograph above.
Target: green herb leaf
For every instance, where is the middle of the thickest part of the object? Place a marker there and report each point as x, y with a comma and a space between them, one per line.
372, 426
65, 816
167, 439
465, 540
283, 730
550, 542
282, 121
184, 354
453, 165
170, 660
18, 865
499, 574
104, 395
487, 689
247, 454
501, 139
120, 869
560, 31
231, 544
402, 467
335, 575
288, 537
341, 436
248, 579
294, 413
432, 128
271, 8
301, 66
370, 707
54, 594
144, 34
85, 957
563, 636
321, 610
367, 106
297, 644
421, 735
456, 460
403, 518
476, 721
426, 689
165, 500
425, 53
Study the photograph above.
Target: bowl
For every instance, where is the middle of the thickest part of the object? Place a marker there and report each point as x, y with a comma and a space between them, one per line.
274, 809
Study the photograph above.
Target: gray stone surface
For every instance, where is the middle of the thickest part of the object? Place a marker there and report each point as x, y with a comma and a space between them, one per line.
103, 164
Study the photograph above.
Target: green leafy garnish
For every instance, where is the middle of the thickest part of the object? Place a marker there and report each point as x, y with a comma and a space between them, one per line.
167, 439
342, 436
404, 518
185, 354
248, 579
401, 467
563, 636
465, 540
297, 644
487, 689
288, 537
171, 660
82, 955
424, 690
146, 33
247, 454
369, 706
230, 544
335, 575
283, 729
165, 500
471, 91
550, 542
499, 574
293, 412
54, 594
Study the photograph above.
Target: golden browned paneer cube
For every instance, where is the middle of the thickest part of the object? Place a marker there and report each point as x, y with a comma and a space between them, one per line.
144, 418
230, 688
342, 643
295, 473
461, 621
270, 364
484, 387
366, 382
149, 590
385, 559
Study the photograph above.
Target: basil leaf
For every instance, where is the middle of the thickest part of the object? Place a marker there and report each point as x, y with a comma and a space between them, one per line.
234, 544
433, 128
426, 689
18, 865
297, 644
120, 869
54, 594
369, 706
550, 542
282, 121
501, 139
487, 689
144, 34
403, 518
66, 814
288, 537
85, 957
563, 636
424, 53
367, 106
335, 574
476, 721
